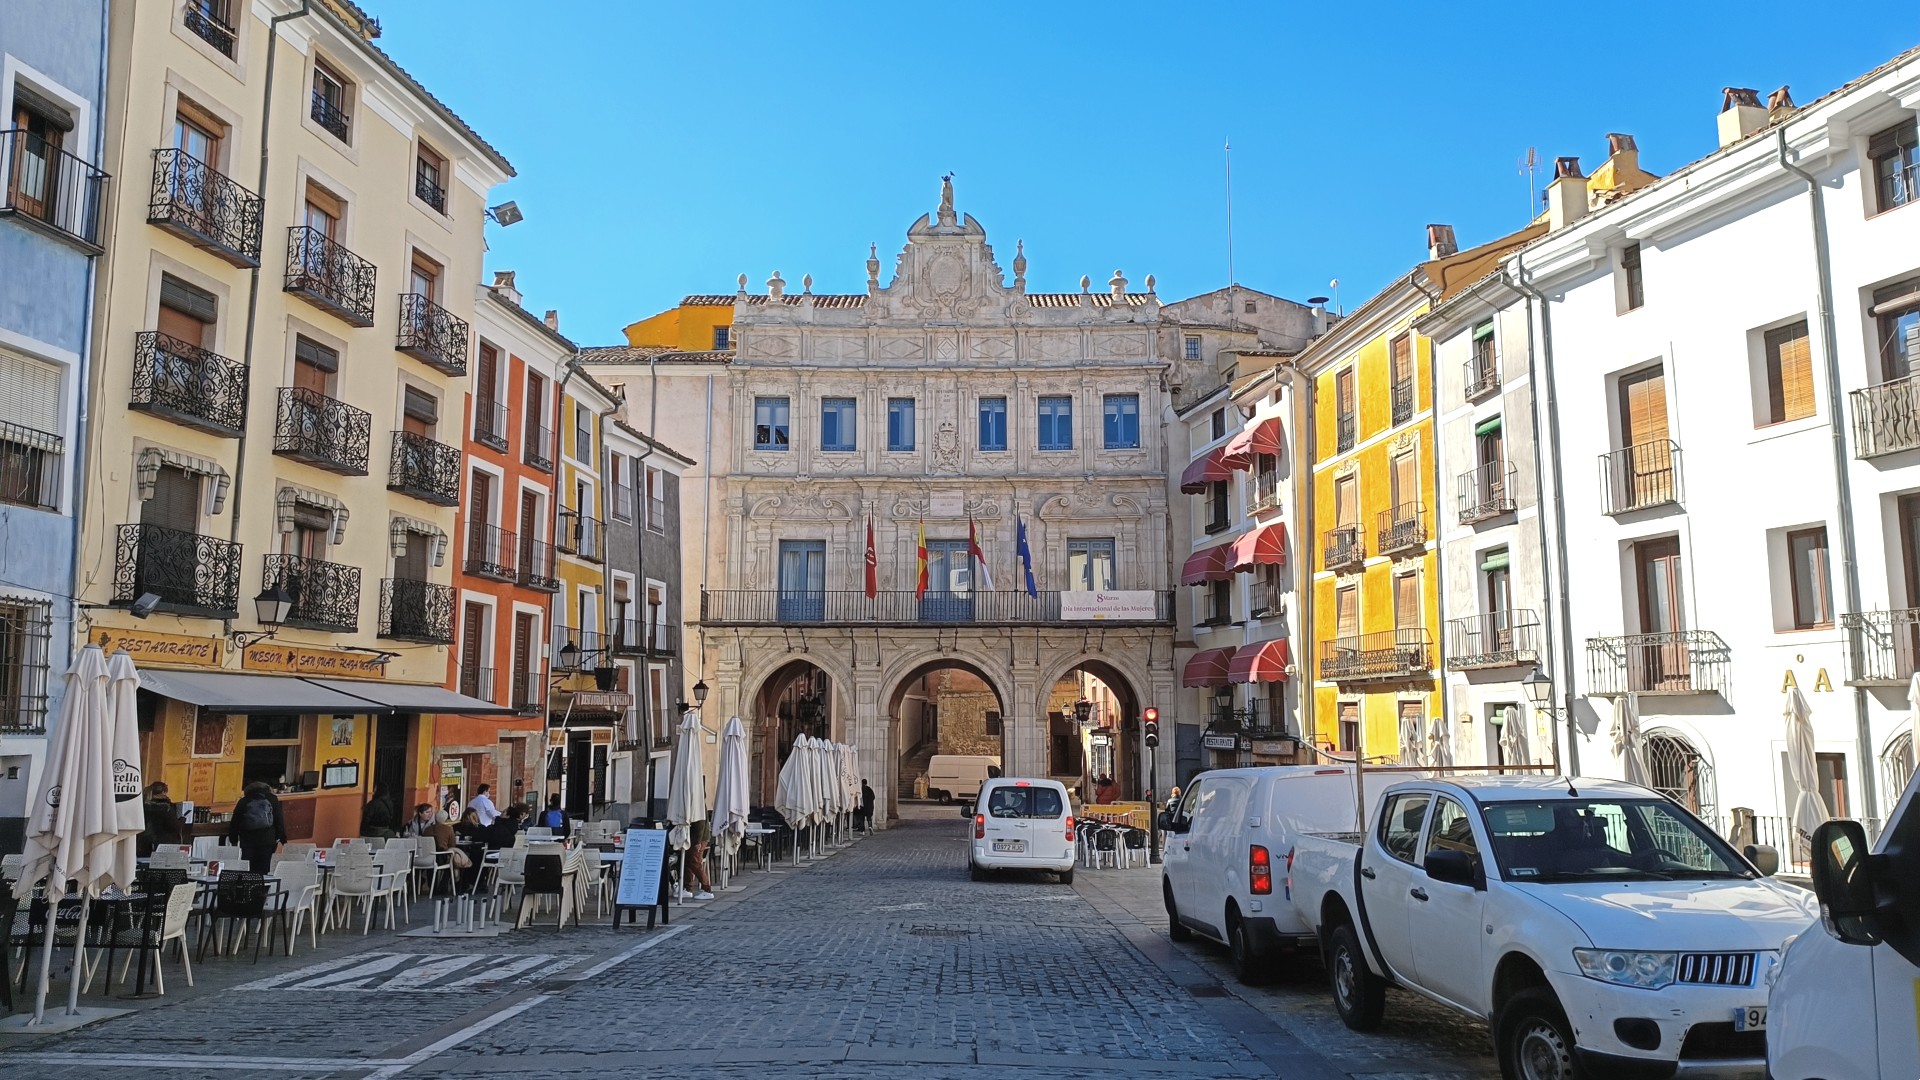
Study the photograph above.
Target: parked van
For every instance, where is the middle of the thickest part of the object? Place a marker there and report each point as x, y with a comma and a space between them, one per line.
959, 776
1022, 825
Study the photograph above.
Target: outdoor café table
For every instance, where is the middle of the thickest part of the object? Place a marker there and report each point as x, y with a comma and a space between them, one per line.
761, 832
113, 902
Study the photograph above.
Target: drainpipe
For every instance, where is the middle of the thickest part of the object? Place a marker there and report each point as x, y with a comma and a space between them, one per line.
1439, 557
1539, 483
1299, 397
83, 387
1842, 481
645, 748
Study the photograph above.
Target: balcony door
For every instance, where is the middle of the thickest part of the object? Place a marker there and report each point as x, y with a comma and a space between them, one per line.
473, 651
168, 558
1662, 659
1498, 587
1906, 627
1408, 638
523, 673
36, 158
1645, 470
185, 318
803, 580
949, 596
482, 544
529, 533
1490, 449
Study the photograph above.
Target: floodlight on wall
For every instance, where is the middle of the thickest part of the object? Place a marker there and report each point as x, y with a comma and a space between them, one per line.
507, 213
144, 604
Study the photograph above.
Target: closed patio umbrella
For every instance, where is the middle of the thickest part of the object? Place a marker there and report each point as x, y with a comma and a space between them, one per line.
1413, 741
1627, 742
1513, 739
687, 791
730, 802
1809, 810
1439, 742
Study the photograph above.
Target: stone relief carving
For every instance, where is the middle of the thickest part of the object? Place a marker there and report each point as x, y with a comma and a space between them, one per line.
984, 507
1405, 440
800, 503
909, 507
946, 447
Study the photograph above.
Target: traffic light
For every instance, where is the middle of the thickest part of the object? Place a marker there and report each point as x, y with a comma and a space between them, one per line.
1152, 735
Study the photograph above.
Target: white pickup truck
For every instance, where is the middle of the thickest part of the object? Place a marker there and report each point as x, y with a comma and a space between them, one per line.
1600, 929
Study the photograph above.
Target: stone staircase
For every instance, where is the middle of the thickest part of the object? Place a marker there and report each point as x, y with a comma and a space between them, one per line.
913, 765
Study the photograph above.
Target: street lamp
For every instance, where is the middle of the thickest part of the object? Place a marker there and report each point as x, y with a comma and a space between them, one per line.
699, 693
1539, 689
1083, 712
271, 609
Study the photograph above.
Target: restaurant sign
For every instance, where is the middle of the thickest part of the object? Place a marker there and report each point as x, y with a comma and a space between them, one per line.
147, 647
1140, 606
292, 660
1219, 742
1275, 747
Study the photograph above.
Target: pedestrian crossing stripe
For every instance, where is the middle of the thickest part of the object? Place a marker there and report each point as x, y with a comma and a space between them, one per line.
384, 972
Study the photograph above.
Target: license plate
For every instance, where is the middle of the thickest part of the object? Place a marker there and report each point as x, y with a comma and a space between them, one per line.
1751, 1018
1021, 845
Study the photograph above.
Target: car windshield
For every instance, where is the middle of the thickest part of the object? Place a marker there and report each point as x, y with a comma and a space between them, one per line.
1606, 840
1024, 802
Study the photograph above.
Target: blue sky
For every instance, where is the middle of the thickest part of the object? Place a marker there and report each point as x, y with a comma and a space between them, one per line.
664, 150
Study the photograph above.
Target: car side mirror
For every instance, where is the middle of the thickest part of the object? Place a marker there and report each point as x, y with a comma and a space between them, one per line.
1453, 868
1764, 857
1169, 823
1846, 879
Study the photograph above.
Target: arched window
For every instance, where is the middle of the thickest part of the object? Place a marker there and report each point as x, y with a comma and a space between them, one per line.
1675, 769
1896, 766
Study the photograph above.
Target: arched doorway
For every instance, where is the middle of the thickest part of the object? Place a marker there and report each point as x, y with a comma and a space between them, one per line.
1676, 769
1092, 731
944, 706
798, 699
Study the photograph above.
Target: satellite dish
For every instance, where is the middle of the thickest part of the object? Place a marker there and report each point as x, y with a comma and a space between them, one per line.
507, 213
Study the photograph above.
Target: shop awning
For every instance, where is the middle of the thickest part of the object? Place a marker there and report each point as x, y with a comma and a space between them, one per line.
1263, 661
1263, 437
1208, 667
1264, 546
239, 692
408, 698
1203, 471
1207, 564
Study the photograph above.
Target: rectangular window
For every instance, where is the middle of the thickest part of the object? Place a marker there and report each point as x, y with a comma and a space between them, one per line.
1789, 373
770, 423
211, 22
620, 483
1897, 309
1349, 727
1343, 407
582, 434
992, 722
837, 423
1219, 608
1633, 285
1832, 770
1192, 346
1414, 715
1056, 423
1400, 352
430, 178
722, 338
1120, 415
1217, 424
1895, 154
1217, 516
1807, 568
993, 423
1090, 565
900, 424
1346, 611
25, 631
1406, 601
330, 101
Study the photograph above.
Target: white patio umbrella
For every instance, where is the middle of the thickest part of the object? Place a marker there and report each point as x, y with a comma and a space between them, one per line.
789, 794
1809, 810
1627, 742
1439, 742
687, 791
1413, 741
1513, 739
730, 800
822, 782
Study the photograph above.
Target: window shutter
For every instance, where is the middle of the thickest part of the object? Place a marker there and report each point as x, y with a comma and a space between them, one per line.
1483, 332
1789, 373
45, 108
421, 406
1406, 480
1346, 612
1643, 398
188, 299
1406, 600
176, 501
473, 656
308, 351
29, 393
413, 565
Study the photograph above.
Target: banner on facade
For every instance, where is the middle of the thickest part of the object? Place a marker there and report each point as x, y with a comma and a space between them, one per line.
1219, 742
1275, 747
1141, 606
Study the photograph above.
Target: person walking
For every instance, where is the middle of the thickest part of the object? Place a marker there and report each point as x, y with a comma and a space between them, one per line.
482, 804
699, 835
555, 817
866, 806
258, 826
376, 818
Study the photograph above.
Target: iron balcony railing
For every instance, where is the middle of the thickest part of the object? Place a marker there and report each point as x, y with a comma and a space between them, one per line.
582, 535
1886, 417
429, 192
199, 204
207, 19
476, 682
329, 276
1675, 662
310, 426
427, 470
1384, 654
1343, 548
1265, 599
527, 693
575, 649
51, 189
1640, 476
414, 610
490, 423
190, 573
657, 515
539, 448
1486, 492
491, 552
1254, 719
1261, 501
1343, 432
188, 385
1496, 639
30, 467
536, 565
637, 637
1402, 402
851, 607
1402, 528
1482, 377
1883, 647
23, 667
330, 116
432, 335
326, 595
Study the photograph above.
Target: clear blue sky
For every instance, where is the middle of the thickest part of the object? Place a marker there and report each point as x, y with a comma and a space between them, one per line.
664, 150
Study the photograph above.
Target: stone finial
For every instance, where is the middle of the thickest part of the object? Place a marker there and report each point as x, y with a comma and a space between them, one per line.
873, 267
743, 284
1085, 283
1117, 285
945, 215
1149, 283
806, 284
1020, 266
776, 288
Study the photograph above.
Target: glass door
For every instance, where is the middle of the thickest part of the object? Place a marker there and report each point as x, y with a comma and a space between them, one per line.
949, 596
1663, 657
803, 580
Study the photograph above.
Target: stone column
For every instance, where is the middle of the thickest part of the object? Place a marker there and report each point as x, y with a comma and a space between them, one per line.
873, 736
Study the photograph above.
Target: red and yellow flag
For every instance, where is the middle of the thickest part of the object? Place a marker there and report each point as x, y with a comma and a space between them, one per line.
920, 585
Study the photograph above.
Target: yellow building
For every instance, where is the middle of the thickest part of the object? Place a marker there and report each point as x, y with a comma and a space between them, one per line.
701, 323
591, 696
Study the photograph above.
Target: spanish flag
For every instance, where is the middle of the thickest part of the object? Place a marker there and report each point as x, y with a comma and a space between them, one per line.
920, 586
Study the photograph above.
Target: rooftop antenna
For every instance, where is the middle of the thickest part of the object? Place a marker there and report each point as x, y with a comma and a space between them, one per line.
1335, 286
1233, 316
1528, 163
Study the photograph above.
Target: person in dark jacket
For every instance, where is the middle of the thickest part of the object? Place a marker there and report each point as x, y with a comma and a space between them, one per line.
376, 819
555, 817
866, 807
164, 825
258, 826
501, 833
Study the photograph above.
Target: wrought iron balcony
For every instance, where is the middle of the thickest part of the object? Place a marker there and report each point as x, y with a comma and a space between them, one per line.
490, 423
1384, 654
657, 515
536, 565
1482, 377
582, 535
1343, 426
1486, 492
539, 448
326, 595
427, 470
527, 693
207, 20
413, 610
1496, 639
1677, 662
637, 637
329, 276
476, 682
491, 552
1883, 647
1343, 548
310, 426
1403, 398
199, 204
1401, 529
30, 467
774, 607
188, 385
1886, 418
1259, 502
430, 193
432, 335
1255, 719
191, 574
1640, 477
331, 116
574, 649
50, 189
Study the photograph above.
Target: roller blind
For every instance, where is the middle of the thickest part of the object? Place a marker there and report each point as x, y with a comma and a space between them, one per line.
188, 299
29, 393
1789, 373
308, 351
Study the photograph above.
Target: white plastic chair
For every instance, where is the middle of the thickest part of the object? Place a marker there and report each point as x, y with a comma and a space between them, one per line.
300, 880
227, 855
429, 860
401, 843
356, 880
395, 866
165, 858
301, 850
537, 833
510, 875
173, 927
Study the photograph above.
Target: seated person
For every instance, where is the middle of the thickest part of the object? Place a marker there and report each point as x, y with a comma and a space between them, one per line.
1583, 845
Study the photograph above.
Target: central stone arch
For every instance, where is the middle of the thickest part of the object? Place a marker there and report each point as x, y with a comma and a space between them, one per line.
965, 705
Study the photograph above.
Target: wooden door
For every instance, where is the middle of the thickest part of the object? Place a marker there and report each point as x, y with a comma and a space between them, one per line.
529, 531
536, 413
486, 370
1663, 658
36, 163
523, 673
473, 650
1499, 610
1646, 469
482, 543
413, 565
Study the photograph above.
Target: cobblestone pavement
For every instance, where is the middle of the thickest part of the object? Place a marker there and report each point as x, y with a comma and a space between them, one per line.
882, 960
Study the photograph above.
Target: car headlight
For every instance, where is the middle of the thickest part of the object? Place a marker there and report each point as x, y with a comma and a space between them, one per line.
1646, 970
1773, 960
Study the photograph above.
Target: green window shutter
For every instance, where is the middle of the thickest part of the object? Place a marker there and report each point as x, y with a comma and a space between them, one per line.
1488, 426
1483, 331
1495, 560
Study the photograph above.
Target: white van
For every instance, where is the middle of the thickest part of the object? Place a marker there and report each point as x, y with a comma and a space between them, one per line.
1022, 825
959, 776
1228, 848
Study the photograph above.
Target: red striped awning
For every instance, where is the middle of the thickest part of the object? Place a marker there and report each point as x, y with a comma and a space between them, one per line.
1263, 661
1264, 437
1208, 564
1264, 546
1208, 667
1204, 470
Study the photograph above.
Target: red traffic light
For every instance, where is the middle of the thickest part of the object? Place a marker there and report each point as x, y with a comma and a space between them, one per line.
1152, 714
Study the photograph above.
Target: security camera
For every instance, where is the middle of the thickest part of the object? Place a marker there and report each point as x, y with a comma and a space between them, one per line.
144, 605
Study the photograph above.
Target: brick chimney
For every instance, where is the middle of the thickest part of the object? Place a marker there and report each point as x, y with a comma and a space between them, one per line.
1567, 195
553, 320
1623, 153
503, 284
1440, 242
1780, 105
1741, 114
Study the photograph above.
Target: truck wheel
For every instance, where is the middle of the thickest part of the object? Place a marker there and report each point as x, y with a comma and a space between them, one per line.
1249, 965
1534, 1040
1176, 930
944, 798
1066, 876
1359, 996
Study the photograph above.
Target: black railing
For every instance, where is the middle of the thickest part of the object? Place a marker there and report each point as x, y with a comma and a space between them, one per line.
23, 667
1384, 654
430, 193
490, 423
329, 276
1496, 639
1343, 432
574, 649
1402, 402
491, 552
330, 116
413, 610
30, 467
1882, 646
773, 607
1482, 376
1403, 528
326, 595
190, 573
1342, 548
657, 515
1641, 476
310, 426
1486, 492
432, 335
188, 384
539, 448
204, 19
1675, 662
536, 565
427, 470
1886, 417
51, 188
476, 682
526, 692
204, 207
582, 535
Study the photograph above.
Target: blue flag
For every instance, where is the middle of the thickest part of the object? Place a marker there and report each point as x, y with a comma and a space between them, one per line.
1026, 557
